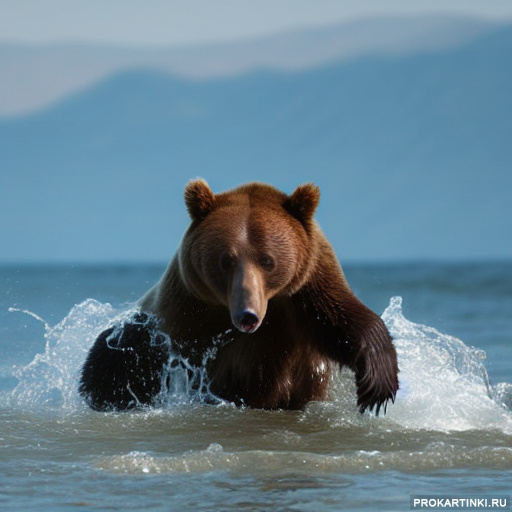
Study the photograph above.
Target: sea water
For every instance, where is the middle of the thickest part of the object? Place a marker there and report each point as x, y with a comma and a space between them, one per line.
449, 431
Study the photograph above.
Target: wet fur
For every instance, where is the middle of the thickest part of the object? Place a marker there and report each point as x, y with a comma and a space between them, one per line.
311, 324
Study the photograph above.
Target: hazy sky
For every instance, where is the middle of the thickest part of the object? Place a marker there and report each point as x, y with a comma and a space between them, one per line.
178, 22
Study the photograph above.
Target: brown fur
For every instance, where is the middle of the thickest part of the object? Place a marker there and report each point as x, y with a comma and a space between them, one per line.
254, 258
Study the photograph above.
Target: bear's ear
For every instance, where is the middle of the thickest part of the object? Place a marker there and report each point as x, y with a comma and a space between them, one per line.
199, 199
303, 202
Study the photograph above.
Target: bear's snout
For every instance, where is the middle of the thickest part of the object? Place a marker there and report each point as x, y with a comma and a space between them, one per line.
246, 321
246, 300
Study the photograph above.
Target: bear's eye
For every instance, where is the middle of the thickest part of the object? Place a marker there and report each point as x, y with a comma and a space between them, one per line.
227, 261
267, 262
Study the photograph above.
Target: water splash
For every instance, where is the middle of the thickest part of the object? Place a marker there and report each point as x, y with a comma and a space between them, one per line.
50, 380
443, 383
183, 383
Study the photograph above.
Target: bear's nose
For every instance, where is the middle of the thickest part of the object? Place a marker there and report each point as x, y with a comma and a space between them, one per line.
247, 321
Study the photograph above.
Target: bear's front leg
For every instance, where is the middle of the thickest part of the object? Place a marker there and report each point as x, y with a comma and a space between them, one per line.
360, 340
352, 335
374, 363
123, 369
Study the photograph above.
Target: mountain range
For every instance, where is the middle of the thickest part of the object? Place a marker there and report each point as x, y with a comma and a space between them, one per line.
412, 152
37, 76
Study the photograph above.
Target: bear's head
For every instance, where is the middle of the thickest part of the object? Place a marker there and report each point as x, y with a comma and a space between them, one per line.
247, 246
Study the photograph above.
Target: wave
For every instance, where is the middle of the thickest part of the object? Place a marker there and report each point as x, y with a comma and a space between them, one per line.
436, 455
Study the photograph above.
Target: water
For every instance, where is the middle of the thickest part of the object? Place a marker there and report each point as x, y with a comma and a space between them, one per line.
450, 430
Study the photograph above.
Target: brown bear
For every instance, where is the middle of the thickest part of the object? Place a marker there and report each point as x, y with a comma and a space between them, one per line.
253, 258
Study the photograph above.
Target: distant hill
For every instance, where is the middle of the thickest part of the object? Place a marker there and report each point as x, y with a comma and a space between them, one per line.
413, 155
34, 77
